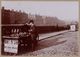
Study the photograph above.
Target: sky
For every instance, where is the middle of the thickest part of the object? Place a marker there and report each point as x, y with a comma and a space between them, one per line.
67, 11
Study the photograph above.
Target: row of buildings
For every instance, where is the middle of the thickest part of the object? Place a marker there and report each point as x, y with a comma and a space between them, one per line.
13, 17
18, 17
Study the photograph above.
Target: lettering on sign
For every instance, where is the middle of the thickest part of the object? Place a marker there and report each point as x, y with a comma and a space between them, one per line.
11, 46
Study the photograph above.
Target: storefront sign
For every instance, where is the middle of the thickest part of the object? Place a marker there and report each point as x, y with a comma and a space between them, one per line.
11, 46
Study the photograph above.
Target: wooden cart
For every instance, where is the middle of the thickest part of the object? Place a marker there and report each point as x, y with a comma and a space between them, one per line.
16, 41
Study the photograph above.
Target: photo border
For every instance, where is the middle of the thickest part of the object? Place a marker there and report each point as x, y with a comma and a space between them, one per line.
78, 40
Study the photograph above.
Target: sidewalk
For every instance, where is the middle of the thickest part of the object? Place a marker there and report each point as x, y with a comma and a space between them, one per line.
47, 35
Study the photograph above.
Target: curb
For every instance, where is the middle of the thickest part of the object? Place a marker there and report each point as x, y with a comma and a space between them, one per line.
53, 35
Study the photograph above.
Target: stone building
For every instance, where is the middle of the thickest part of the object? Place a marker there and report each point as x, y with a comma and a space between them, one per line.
18, 17
13, 17
5, 16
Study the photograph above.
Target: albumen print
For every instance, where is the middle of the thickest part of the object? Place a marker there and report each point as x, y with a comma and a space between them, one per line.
34, 28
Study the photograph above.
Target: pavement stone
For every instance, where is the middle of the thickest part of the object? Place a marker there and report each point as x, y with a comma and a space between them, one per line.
47, 35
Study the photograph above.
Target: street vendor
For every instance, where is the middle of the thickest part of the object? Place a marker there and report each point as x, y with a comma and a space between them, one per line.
33, 33
32, 27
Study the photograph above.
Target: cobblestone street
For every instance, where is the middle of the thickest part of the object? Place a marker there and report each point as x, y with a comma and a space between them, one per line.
63, 44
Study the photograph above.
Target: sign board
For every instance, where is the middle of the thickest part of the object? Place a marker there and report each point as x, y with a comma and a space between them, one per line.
72, 28
11, 46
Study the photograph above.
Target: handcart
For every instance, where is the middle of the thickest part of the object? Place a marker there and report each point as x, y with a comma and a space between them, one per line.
16, 41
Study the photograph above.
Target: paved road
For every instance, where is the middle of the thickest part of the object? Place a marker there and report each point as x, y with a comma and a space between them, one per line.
64, 44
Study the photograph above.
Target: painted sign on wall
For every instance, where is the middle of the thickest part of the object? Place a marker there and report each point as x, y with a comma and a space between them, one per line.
72, 27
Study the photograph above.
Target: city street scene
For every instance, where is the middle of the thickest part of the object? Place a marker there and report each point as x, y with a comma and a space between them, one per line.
35, 28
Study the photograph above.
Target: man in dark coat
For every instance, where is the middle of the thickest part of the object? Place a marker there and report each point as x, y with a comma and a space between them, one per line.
33, 33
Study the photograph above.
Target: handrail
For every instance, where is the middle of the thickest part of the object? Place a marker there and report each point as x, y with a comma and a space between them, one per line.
12, 24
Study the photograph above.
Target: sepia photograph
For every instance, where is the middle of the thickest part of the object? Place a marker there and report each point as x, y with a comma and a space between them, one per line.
35, 28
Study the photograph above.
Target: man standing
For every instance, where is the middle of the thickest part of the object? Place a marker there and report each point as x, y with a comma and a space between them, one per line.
33, 33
